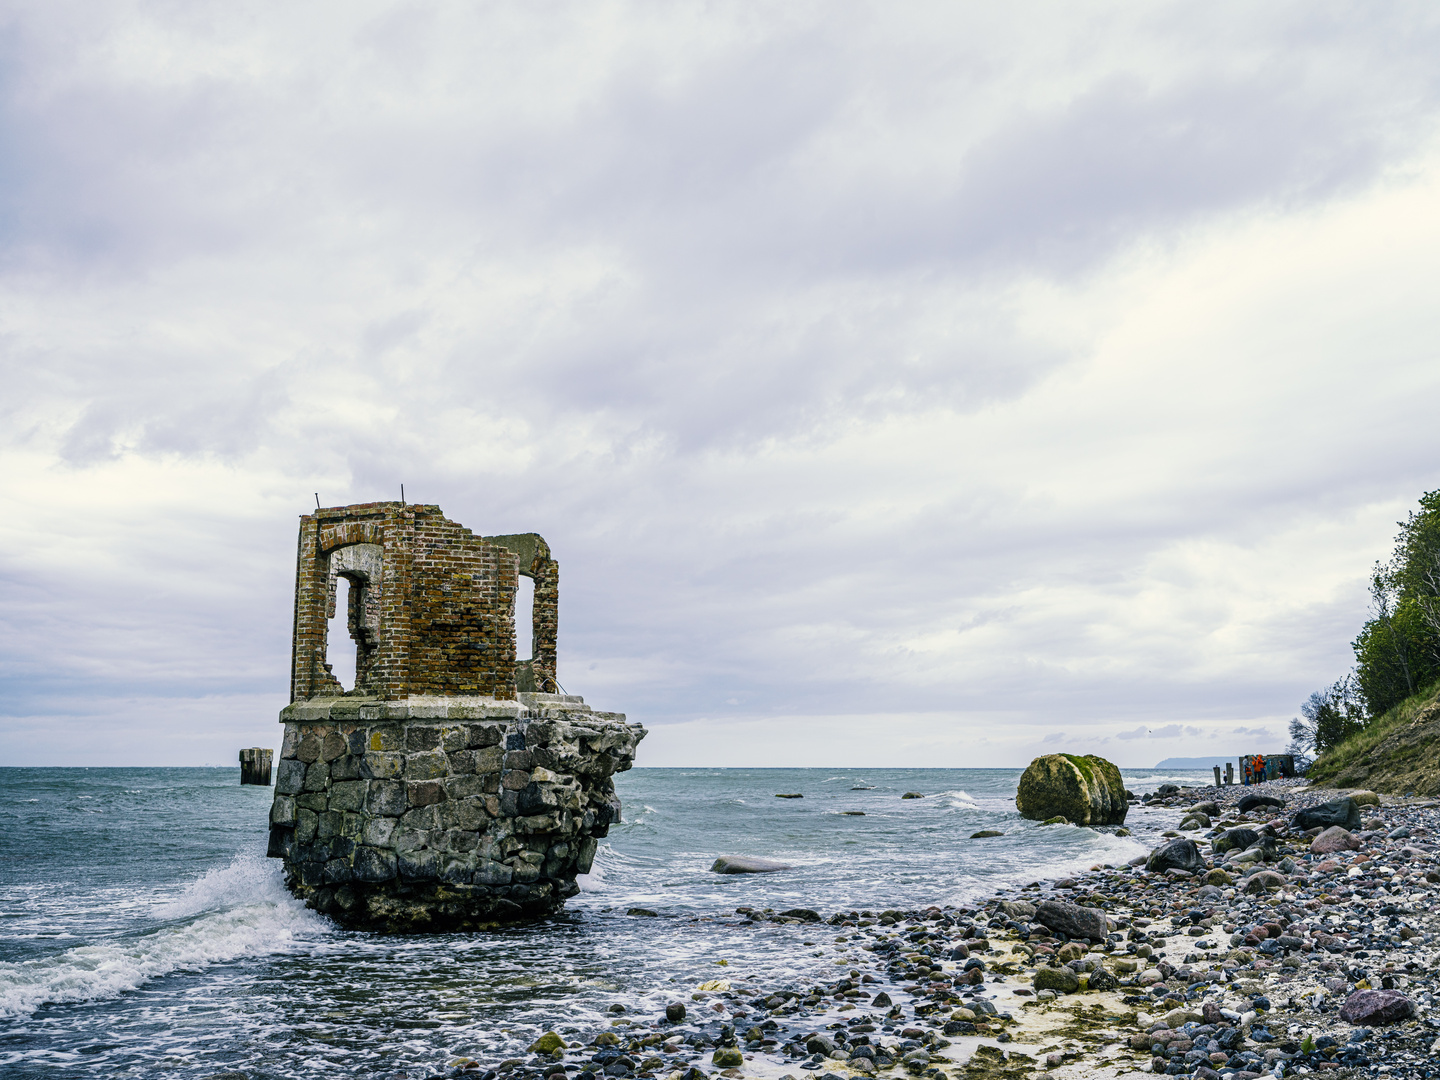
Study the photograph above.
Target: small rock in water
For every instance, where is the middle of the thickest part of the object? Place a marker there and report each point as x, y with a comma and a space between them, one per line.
796, 795
985, 833
675, 1012
547, 1043
803, 914
744, 864
643, 912
912, 795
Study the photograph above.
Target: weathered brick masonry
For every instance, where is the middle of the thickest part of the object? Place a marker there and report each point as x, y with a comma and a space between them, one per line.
451, 787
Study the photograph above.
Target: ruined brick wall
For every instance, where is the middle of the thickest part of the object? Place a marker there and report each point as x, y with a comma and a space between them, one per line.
431, 604
537, 672
462, 612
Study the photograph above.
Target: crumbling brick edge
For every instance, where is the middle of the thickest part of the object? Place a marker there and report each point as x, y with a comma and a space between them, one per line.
432, 814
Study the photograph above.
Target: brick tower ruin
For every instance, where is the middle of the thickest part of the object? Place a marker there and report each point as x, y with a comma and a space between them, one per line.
453, 787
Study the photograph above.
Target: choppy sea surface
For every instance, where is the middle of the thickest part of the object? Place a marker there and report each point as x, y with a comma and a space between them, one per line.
143, 932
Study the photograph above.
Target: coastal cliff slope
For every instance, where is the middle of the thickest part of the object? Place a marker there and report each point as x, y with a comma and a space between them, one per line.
1398, 753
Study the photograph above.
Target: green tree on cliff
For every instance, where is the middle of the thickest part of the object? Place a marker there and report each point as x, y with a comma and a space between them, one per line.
1398, 649
1327, 718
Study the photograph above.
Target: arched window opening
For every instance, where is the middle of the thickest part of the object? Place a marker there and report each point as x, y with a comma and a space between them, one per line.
525, 619
340, 647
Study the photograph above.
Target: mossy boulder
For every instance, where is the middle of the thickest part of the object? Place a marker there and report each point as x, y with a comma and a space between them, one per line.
547, 1043
1083, 790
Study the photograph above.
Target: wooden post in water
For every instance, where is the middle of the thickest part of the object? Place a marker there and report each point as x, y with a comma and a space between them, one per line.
1217, 774
255, 766
1229, 773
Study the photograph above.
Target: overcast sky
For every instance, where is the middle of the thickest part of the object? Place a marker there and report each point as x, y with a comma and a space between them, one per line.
897, 384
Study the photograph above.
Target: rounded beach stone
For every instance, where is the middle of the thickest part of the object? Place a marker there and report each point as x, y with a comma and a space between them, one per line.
1366, 1007
1250, 802
1072, 920
1100, 979
1234, 840
1332, 840
1263, 880
1061, 980
1181, 854
675, 1012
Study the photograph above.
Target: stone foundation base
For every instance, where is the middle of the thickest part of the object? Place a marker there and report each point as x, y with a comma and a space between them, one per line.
409, 907
434, 814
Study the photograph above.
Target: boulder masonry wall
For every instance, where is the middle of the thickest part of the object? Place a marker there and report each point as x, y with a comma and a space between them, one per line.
402, 809
444, 815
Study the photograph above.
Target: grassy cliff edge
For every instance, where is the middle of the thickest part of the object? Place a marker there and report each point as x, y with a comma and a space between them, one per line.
1397, 753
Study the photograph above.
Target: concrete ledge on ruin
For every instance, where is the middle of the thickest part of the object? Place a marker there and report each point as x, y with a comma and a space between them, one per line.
352, 707
566, 702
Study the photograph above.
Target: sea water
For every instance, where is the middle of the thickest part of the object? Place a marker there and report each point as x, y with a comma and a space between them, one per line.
143, 932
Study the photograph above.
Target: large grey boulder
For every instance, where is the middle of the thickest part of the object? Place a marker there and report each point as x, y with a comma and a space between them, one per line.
1365, 1008
1083, 790
1254, 802
1343, 812
1018, 909
1176, 855
1072, 920
1332, 840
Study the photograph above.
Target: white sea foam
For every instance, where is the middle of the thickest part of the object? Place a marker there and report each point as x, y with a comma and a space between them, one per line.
250, 878
595, 880
960, 796
238, 911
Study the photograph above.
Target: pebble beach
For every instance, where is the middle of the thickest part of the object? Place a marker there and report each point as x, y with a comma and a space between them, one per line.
1245, 945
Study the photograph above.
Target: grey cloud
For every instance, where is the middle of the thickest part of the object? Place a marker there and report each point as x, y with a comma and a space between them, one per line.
660, 307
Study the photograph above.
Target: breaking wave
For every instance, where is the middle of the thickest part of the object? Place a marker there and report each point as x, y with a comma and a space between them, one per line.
227, 914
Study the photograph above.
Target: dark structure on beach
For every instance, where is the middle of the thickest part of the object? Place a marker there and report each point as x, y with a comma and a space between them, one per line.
453, 787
